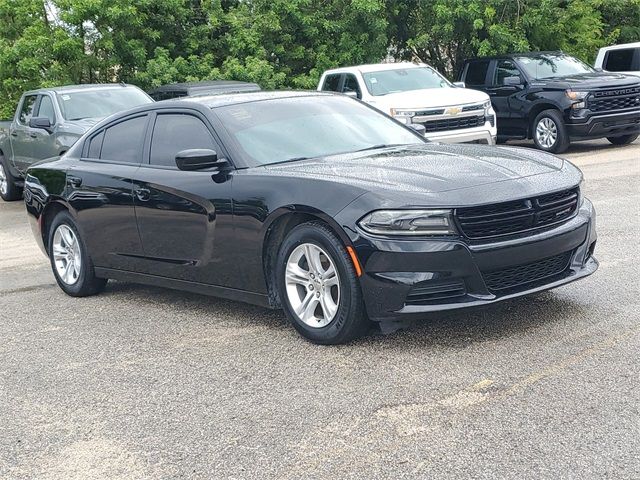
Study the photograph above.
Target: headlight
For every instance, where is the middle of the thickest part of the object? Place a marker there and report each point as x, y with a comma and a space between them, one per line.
577, 97
408, 222
403, 116
487, 105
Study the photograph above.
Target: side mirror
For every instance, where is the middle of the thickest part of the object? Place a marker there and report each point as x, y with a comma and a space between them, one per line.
351, 94
418, 127
40, 122
512, 81
198, 159
460, 84
599, 69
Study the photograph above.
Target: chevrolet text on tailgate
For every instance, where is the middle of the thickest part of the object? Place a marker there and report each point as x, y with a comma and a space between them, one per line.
310, 202
48, 122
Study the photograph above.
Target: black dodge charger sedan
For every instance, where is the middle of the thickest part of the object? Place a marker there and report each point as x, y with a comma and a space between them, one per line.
310, 202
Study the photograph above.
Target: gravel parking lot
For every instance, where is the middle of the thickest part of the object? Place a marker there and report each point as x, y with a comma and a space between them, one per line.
143, 382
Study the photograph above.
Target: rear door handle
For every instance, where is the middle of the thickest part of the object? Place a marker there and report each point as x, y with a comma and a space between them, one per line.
33, 135
74, 181
143, 194
14, 134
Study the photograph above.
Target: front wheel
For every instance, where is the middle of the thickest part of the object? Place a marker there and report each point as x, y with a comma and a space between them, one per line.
549, 132
70, 259
318, 286
623, 140
9, 191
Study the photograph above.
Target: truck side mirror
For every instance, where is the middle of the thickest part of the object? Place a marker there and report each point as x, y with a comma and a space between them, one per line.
512, 81
40, 122
460, 84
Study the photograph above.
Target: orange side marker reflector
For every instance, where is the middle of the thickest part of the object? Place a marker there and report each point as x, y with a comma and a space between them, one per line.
354, 259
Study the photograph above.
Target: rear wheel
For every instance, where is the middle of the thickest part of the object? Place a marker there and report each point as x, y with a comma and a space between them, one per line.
70, 260
623, 140
9, 191
318, 286
550, 132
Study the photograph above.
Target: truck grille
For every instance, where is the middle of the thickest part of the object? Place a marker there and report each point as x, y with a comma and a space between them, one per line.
518, 216
611, 100
453, 123
516, 276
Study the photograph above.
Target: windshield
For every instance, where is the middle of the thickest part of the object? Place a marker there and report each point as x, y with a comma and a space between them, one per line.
288, 129
403, 80
549, 66
101, 102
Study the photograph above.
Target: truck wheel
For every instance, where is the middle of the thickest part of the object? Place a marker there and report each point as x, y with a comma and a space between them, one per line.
623, 140
8, 189
70, 260
318, 286
549, 132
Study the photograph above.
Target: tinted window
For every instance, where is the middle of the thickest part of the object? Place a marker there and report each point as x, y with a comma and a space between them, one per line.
351, 84
46, 109
123, 142
477, 72
175, 132
331, 82
27, 109
505, 68
619, 60
95, 145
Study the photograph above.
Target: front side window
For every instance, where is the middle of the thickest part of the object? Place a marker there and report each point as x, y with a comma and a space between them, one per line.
100, 103
26, 112
173, 133
123, 141
403, 80
619, 60
46, 109
504, 69
351, 84
477, 72
551, 65
331, 83
286, 129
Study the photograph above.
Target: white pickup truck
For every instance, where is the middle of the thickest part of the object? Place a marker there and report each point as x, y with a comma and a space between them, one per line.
418, 94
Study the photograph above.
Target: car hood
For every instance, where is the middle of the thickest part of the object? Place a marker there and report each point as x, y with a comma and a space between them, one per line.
430, 97
429, 168
592, 80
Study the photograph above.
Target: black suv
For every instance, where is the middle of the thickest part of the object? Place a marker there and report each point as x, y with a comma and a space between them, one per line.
555, 98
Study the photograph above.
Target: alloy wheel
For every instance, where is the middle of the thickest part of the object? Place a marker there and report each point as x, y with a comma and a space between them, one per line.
312, 285
66, 254
4, 183
546, 132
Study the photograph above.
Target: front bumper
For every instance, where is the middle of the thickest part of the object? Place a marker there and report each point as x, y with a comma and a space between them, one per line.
485, 134
606, 125
455, 273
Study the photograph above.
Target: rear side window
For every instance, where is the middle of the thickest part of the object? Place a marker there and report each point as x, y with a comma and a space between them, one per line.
619, 60
95, 145
504, 69
123, 141
46, 109
477, 72
175, 132
331, 82
26, 112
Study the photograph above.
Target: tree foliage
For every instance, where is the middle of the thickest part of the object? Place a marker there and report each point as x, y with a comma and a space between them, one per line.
281, 43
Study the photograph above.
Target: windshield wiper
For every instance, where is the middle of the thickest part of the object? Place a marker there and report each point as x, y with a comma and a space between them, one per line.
382, 145
290, 160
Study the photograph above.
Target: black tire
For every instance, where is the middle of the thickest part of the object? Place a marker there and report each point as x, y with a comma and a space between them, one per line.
86, 283
11, 191
623, 140
561, 142
350, 320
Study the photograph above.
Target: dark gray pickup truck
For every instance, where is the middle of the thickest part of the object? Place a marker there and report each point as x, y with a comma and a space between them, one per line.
48, 121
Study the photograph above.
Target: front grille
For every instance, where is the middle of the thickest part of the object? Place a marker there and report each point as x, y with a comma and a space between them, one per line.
470, 108
427, 292
517, 216
512, 277
612, 100
453, 123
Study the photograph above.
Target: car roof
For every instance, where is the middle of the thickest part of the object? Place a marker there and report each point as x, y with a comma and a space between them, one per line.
622, 46
513, 55
211, 85
376, 67
213, 101
79, 88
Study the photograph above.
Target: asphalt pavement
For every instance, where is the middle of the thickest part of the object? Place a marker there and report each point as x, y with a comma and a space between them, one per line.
142, 382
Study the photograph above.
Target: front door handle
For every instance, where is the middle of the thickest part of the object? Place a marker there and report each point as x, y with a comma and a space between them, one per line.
143, 194
74, 181
33, 135
14, 134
